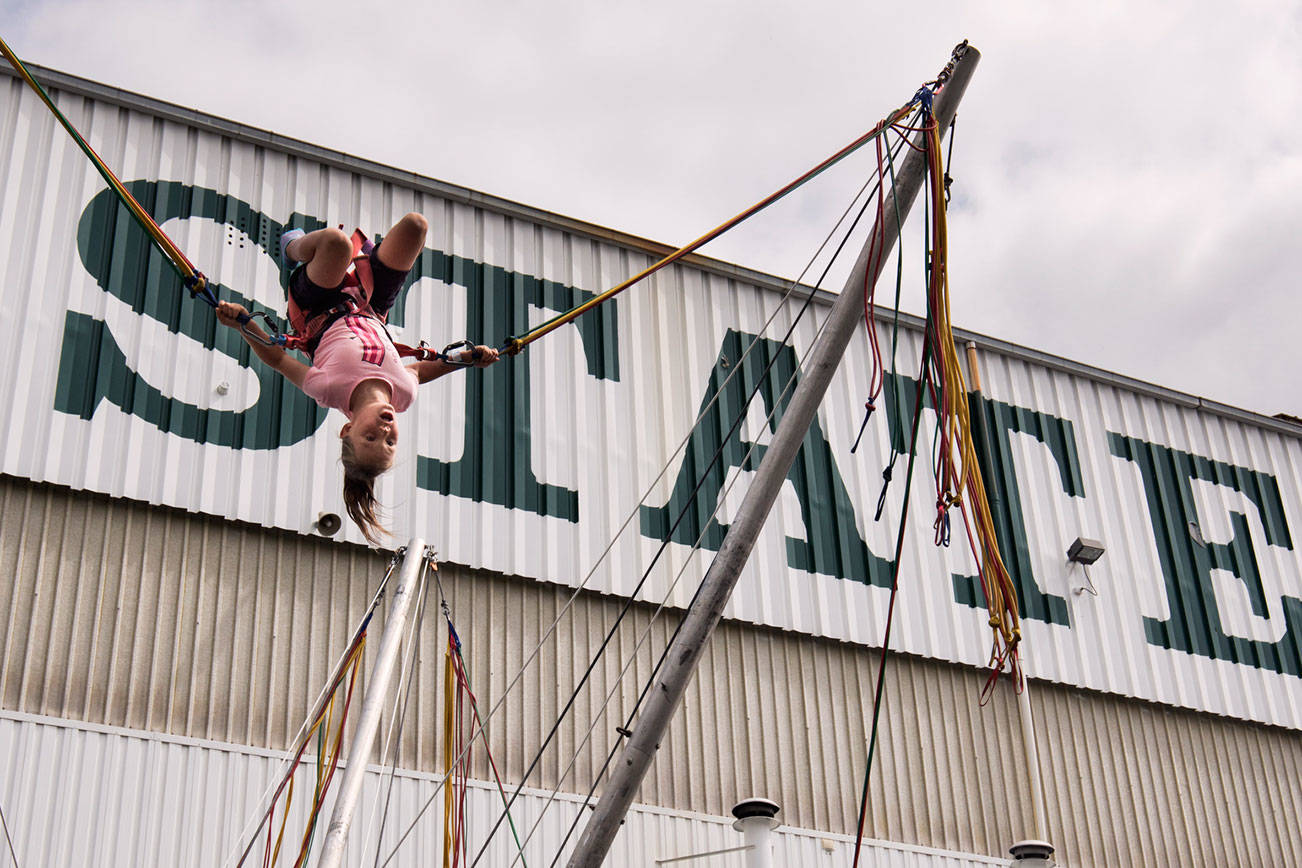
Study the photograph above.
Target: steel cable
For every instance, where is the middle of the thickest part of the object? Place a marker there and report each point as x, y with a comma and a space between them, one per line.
792, 286
876, 192
742, 413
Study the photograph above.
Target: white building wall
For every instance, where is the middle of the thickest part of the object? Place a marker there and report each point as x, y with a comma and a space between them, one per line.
116, 383
75, 795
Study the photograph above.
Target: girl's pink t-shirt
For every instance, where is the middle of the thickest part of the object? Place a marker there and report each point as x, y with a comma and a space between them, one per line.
353, 349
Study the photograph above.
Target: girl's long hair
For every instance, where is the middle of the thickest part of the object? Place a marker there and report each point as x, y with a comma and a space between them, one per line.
359, 493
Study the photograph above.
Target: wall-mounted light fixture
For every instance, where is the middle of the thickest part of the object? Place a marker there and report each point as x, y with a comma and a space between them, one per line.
1085, 551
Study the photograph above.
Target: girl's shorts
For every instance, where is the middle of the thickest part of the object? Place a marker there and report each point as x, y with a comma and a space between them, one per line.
387, 283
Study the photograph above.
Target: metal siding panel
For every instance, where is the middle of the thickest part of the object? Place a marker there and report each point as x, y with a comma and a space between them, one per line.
181, 624
99, 658
109, 796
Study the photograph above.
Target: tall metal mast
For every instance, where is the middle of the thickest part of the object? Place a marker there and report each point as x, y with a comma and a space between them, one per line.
721, 578
359, 754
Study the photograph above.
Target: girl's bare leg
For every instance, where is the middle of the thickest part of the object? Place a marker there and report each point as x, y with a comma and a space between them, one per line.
403, 244
327, 253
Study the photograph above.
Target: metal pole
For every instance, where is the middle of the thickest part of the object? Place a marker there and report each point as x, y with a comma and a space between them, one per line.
1032, 754
716, 588
359, 753
1029, 746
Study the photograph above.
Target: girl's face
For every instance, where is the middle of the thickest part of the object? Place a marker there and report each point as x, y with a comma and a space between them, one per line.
373, 432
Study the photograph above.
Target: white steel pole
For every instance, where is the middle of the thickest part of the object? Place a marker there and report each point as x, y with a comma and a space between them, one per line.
359, 753
1030, 748
699, 622
1032, 754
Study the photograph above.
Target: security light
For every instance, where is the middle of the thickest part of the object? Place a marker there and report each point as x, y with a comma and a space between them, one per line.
1085, 551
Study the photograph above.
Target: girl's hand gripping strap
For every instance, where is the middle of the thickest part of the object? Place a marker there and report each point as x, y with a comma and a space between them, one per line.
462, 354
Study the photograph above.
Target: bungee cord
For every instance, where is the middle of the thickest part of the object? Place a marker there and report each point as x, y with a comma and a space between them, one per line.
200, 288
958, 473
689, 502
455, 705
304, 731
190, 276
704, 412
709, 468
515, 344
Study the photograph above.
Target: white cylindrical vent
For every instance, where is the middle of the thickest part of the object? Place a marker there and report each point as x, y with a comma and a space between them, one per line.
755, 820
1032, 854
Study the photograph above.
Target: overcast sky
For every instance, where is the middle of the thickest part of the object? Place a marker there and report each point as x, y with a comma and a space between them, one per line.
1127, 175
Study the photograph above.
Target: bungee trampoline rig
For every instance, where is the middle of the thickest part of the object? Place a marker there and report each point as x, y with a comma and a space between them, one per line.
908, 151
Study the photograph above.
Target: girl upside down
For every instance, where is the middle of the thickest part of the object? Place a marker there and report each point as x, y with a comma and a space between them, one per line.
354, 364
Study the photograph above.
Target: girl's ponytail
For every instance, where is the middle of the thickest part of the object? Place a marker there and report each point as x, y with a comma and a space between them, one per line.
359, 494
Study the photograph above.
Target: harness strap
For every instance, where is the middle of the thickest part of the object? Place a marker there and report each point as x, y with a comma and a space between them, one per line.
308, 326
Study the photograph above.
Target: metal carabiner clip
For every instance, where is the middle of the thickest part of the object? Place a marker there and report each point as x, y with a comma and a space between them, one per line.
277, 339
463, 354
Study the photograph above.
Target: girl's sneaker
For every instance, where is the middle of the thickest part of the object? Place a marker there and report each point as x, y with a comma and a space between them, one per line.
285, 239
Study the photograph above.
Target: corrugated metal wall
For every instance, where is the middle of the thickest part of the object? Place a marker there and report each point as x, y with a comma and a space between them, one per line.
77, 795
116, 383
128, 615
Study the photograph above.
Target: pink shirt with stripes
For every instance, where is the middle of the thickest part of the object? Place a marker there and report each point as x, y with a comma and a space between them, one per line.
353, 349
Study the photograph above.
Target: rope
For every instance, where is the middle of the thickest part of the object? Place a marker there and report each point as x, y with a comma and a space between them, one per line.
893, 394
958, 472
323, 785
890, 608
516, 344
877, 377
787, 387
8, 840
188, 273
305, 730
687, 506
733, 372
457, 668
454, 801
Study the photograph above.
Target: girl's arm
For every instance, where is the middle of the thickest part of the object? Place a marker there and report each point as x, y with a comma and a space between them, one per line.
274, 357
435, 368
